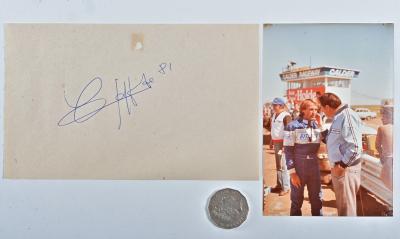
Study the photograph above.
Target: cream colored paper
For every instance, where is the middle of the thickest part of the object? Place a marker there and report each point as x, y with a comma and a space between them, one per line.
199, 119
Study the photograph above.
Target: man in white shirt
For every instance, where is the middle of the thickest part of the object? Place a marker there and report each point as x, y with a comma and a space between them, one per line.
279, 120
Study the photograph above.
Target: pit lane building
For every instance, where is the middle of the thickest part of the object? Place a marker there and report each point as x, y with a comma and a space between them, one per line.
304, 82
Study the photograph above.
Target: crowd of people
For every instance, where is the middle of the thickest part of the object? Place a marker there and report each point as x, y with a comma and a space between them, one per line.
297, 131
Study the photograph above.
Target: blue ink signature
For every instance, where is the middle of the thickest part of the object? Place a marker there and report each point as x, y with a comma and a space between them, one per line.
94, 104
88, 104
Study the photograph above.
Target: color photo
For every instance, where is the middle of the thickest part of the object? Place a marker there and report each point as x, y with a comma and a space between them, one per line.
327, 119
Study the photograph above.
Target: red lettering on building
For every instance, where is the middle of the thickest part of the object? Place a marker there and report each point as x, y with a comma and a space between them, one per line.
298, 95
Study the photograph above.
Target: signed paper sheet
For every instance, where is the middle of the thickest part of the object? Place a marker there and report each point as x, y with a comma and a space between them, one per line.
131, 101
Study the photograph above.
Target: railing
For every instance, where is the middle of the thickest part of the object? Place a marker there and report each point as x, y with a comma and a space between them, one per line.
371, 179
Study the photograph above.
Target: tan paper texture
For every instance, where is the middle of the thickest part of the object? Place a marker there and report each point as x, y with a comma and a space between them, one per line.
131, 101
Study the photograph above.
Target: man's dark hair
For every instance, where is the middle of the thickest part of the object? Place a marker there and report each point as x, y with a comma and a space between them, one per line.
330, 99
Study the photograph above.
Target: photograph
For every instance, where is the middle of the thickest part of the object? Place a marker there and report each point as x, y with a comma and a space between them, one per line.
327, 93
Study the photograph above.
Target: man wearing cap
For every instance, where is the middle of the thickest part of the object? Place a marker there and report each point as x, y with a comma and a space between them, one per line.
279, 120
344, 144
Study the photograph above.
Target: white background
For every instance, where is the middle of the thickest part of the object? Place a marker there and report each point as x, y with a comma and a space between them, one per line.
174, 209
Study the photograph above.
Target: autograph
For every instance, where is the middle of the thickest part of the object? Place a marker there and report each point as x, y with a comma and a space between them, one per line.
88, 104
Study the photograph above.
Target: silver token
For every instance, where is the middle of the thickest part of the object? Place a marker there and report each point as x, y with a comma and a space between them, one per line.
228, 208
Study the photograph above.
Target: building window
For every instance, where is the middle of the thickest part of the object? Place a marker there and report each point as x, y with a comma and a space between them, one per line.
314, 83
341, 83
295, 85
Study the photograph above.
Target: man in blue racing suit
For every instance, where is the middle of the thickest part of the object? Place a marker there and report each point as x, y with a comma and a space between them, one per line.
301, 142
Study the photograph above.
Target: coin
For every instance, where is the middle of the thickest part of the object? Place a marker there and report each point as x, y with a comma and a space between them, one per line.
228, 208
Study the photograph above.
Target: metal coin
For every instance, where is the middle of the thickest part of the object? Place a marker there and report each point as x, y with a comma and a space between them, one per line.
228, 208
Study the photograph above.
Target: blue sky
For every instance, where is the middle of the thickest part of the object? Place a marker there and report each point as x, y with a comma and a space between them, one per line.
364, 47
